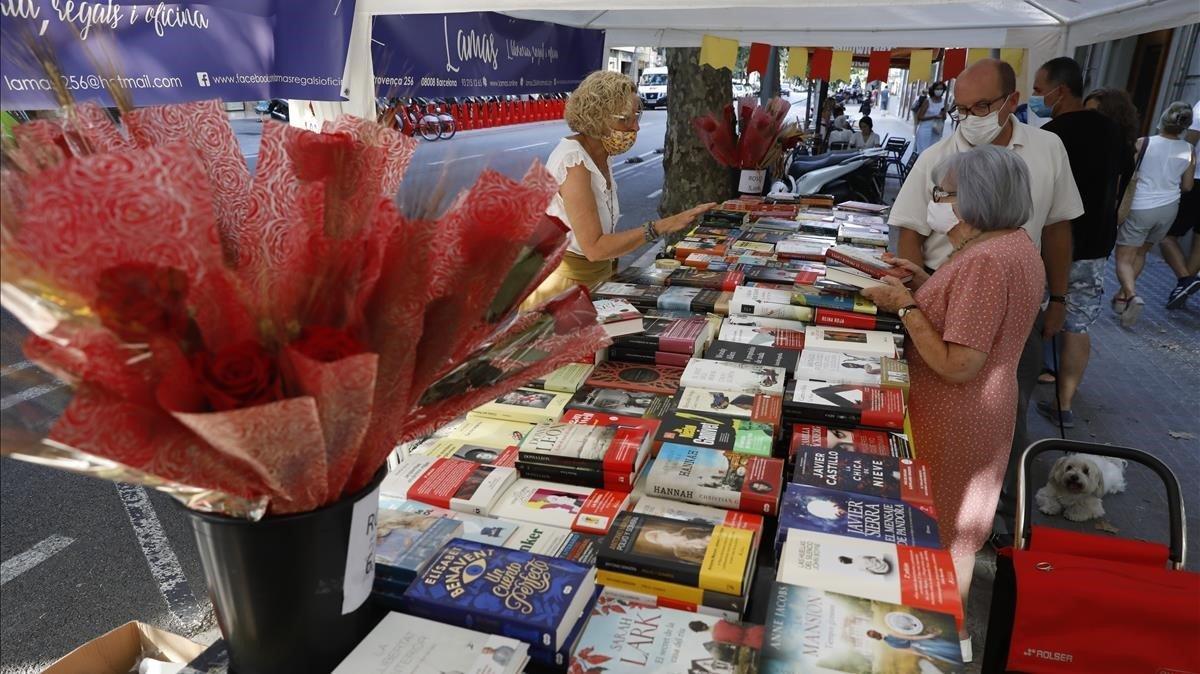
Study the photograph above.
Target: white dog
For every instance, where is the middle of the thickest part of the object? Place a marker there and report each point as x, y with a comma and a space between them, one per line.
1078, 482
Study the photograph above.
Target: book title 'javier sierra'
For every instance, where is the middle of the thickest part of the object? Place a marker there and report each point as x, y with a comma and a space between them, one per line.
514, 583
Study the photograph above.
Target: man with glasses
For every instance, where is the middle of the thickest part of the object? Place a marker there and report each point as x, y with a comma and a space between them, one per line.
985, 99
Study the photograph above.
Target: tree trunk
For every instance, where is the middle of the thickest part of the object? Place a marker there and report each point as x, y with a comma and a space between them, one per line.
692, 176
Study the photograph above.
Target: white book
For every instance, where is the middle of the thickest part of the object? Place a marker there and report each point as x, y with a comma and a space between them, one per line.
721, 375
404, 644
768, 302
839, 368
457, 484
851, 277
849, 340
739, 405
566, 506
539, 539
764, 331
618, 316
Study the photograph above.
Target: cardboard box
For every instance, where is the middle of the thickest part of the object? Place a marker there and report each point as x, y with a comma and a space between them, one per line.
119, 651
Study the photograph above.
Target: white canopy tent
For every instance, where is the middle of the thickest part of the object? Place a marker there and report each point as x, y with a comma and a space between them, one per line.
1046, 28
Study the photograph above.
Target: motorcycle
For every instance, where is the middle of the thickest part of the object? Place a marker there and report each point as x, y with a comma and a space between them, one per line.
846, 174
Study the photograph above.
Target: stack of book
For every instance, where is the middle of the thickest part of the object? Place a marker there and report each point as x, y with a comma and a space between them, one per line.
662, 341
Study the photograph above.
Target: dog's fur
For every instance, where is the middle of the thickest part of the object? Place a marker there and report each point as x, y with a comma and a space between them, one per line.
1077, 484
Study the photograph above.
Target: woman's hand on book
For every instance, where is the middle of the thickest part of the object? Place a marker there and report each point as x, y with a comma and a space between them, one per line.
681, 220
919, 275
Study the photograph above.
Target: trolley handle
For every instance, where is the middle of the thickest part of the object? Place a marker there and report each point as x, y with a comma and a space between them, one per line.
1178, 543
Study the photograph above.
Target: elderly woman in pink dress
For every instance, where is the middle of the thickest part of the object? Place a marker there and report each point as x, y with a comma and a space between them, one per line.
967, 325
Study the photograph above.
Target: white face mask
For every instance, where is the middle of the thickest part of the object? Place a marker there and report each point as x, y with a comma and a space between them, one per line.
940, 217
980, 130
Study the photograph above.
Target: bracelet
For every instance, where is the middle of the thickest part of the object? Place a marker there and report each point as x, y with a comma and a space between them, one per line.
1061, 299
648, 232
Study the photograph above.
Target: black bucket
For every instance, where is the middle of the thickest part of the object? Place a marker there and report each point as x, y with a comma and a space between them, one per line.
276, 585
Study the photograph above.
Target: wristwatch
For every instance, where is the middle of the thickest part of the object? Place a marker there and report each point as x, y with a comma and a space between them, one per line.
905, 310
1061, 299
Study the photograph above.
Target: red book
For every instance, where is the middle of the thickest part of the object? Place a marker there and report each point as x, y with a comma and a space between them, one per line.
628, 355
848, 404
632, 377
650, 426
852, 319
862, 440
607, 456
699, 278
866, 261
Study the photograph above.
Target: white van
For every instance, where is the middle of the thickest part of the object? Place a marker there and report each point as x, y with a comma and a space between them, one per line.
653, 87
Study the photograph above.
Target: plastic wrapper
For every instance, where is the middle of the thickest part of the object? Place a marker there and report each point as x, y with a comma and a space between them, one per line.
259, 344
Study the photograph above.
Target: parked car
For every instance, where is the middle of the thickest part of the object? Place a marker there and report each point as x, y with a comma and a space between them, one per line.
653, 87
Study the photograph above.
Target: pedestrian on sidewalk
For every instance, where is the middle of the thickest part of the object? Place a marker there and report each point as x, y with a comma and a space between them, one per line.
1100, 163
865, 108
986, 96
930, 118
1165, 170
1187, 270
604, 112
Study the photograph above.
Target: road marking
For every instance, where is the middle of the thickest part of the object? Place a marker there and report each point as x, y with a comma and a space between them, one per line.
525, 147
654, 194
18, 564
637, 167
29, 394
451, 161
15, 367
164, 565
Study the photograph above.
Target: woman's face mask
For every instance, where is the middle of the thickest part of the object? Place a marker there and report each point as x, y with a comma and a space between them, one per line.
941, 217
618, 142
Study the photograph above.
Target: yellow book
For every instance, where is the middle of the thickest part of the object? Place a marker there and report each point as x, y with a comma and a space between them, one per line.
698, 555
672, 591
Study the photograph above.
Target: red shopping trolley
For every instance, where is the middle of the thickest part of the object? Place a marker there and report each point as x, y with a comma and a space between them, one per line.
1088, 604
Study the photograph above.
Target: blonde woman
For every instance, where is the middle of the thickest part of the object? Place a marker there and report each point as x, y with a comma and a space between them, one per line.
603, 112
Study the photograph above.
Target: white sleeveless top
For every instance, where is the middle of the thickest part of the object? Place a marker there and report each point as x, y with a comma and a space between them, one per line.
570, 153
1160, 173
933, 107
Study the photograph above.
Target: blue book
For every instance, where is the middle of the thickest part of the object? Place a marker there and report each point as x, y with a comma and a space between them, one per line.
860, 516
555, 659
521, 595
677, 298
406, 542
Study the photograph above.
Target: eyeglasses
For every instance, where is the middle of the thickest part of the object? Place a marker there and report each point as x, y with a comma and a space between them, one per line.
637, 114
980, 109
939, 194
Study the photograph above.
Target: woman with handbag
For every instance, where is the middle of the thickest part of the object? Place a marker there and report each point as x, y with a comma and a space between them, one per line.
1164, 171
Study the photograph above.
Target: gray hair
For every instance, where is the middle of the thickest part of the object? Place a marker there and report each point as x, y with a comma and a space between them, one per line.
992, 185
1176, 118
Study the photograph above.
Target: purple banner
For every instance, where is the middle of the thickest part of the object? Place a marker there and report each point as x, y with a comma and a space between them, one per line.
237, 50
479, 54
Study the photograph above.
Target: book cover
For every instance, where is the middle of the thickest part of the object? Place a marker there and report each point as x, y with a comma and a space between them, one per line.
715, 431
474, 527
862, 440
494, 433
588, 418
780, 225
888, 477
700, 278
643, 297
660, 379
863, 207
566, 379
454, 484
645, 276
532, 598
678, 298
801, 249
767, 274
691, 245
692, 512
612, 589
849, 319
897, 574
743, 245
811, 630
615, 310
457, 449
767, 302
846, 404
611, 449
867, 260
581, 509
634, 355
863, 236
866, 517
863, 220
682, 336
538, 538
524, 405
625, 636
405, 541
895, 374
764, 234
848, 340
404, 644
761, 335
734, 377
810, 296
767, 409
839, 368
634, 404
711, 302
753, 355
706, 261
850, 278
711, 477
703, 556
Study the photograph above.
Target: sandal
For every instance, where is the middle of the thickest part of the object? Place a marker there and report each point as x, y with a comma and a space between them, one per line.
1047, 376
1132, 311
1120, 304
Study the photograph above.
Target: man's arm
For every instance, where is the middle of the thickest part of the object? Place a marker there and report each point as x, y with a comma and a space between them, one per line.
912, 246
1056, 256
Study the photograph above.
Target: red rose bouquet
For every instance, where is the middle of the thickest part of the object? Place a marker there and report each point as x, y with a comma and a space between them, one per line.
751, 137
260, 344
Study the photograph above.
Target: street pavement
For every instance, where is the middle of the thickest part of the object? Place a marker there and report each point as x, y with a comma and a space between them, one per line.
82, 556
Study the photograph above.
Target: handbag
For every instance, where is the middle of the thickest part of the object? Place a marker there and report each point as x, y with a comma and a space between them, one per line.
1126, 204
1067, 602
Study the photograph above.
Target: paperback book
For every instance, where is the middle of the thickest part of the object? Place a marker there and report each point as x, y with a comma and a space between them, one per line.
457, 449
849, 340
802, 249
618, 317
814, 298
839, 368
660, 379
493, 433
835, 318
626, 636
615, 454
635, 404
767, 409
406, 541
743, 246
525, 405
888, 477
454, 484
710, 477
528, 597
644, 297
861, 440
778, 332
566, 379
850, 278
692, 512
863, 235
711, 302
649, 427
638, 356
810, 630
752, 355
865, 517
554, 542
698, 278
868, 261
735, 377
897, 574
704, 556
404, 644
581, 509
682, 336
613, 588
767, 302
845, 404
715, 431
644, 276
474, 527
